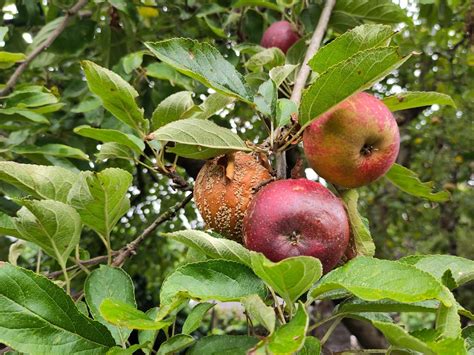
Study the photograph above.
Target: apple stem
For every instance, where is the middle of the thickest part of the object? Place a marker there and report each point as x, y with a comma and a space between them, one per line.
302, 77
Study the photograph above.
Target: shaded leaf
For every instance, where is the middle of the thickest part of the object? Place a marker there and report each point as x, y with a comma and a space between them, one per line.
374, 279
291, 277
202, 62
52, 225
346, 78
172, 108
266, 59
38, 317
109, 282
57, 150
48, 182
194, 319
223, 344
124, 315
116, 94
462, 270
175, 344
279, 74
290, 337
359, 225
221, 280
216, 248
407, 181
199, 138
100, 198
413, 99
111, 135
265, 98
285, 109
351, 42
259, 312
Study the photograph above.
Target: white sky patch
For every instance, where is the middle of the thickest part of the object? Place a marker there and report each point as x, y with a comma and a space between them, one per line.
27, 37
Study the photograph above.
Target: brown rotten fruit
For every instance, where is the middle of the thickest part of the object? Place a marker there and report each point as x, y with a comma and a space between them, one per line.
223, 190
297, 217
280, 34
354, 143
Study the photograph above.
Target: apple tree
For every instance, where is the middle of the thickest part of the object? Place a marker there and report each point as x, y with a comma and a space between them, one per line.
164, 162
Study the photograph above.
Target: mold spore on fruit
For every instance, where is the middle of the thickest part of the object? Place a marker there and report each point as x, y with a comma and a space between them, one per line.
224, 188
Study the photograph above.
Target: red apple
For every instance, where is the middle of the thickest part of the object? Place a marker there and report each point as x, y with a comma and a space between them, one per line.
281, 34
297, 217
354, 143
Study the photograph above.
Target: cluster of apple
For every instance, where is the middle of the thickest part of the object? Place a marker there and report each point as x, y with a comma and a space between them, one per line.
351, 145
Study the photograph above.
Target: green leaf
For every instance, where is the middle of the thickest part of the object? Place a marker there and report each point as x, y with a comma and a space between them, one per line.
124, 315
109, 282
285, 109
52, 225
213, 104
291, 277
374, 279
462, 270
8, 59
7, 225
194, 319
202, 62
111, 135
259, 312
15, 251
132, 61
88, 104
399, 337
175, 344
266, 59
266, 97
359, 225
223, 344
172, 108
30, 97
407, 181
116, 94
116, 350
48, 182
17, 113
3, 32
346, 78
56, 150
149, 336
220, 280
354, 12
311, 346
114, 151
358, 39
199, 139
279, 74
39, 318
290, 337
413, 99
468, 334
263, 3
216, 248
356, 305
164, 71
100, 198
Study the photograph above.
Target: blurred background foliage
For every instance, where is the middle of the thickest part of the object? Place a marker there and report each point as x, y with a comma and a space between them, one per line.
437, 142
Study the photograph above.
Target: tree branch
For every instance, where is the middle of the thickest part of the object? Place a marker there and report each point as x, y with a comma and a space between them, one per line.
302, 77
55, 34
314, 45
130, 249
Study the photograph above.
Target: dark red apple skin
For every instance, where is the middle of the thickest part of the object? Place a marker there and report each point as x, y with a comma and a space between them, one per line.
297, 217
280, 34
353, 144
